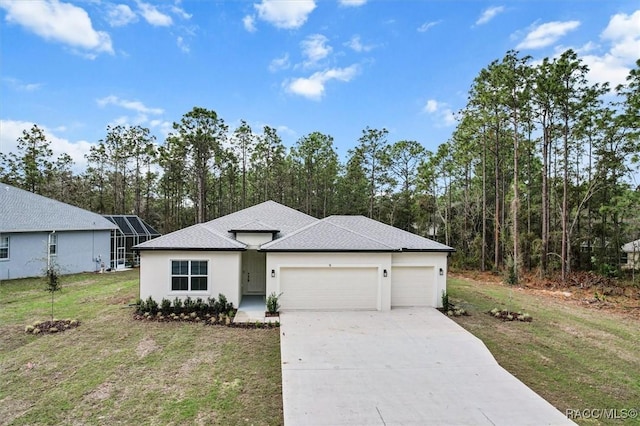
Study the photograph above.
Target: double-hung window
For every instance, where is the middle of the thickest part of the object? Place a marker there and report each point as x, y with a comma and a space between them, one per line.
53, 244
189, 275
4, 247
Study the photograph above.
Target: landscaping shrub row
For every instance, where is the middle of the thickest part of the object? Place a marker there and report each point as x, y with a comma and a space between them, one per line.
189, 306
208, 312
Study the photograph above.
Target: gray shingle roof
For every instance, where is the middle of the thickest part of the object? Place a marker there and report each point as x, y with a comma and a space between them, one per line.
298, 232
271, 214
24, 211
353, 233
391, 235
324, 235
255, 226
276, 215
196, 237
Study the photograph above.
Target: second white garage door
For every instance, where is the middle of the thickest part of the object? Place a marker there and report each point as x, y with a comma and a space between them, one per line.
333, 288
412, 286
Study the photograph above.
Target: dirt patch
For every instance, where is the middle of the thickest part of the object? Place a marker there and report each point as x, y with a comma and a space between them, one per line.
102, 392
11, 409
146, 347
580, 288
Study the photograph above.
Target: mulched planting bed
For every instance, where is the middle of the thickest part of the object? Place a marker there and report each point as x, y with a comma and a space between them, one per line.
205, 319
506, 315
51, 327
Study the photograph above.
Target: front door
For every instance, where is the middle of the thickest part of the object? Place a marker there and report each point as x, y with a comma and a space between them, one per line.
254, 278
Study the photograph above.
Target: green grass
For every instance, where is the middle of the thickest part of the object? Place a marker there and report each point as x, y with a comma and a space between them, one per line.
115, 370
576, 357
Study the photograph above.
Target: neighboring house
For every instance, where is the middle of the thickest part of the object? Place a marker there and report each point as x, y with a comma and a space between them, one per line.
632, 251
36, 231
131, 231
335, 263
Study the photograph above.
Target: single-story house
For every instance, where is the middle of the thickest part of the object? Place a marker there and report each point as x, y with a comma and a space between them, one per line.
632, 251
335, 263
132, 230
36, 232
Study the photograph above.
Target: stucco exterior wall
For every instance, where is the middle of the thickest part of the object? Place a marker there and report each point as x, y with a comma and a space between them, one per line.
437, 260
276, 261
223, 274
77, 251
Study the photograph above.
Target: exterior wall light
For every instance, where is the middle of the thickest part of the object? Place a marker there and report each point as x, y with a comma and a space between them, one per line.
273, 273
384, 273
441, 271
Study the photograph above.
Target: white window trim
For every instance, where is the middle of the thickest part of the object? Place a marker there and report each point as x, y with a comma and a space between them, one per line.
53, 242
189, 276
6, 238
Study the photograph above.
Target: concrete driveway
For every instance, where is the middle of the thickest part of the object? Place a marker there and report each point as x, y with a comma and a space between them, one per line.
404, 367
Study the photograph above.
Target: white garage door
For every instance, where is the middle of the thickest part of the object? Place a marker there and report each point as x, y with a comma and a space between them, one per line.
412, 286
332, 288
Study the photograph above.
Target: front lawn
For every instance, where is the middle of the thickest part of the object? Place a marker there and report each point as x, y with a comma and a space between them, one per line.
576, 356
116, 370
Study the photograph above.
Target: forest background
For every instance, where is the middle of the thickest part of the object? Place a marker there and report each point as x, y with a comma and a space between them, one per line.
539, 175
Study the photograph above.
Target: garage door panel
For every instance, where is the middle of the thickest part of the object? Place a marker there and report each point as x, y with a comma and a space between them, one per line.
329, 288
412, 286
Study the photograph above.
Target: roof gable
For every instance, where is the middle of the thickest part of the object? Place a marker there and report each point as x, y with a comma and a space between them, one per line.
24, 211
278, 217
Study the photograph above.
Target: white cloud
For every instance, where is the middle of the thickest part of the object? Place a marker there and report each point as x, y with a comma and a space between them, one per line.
441, 112
315, 48
153, 16
280, 63
313, 87
427, 26
21, 86
623, 32
249, 23
182, 44
622, 35
488, 14
285, 14
180, 12
546, 34
12, 130
59, 22
120, 15
356, 44
130, 105
352, 3
431, 106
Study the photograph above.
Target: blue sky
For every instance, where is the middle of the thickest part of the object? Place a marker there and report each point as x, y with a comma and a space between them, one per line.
335, 66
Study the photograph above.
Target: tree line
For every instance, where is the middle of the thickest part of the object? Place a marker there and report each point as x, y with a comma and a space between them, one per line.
536, 176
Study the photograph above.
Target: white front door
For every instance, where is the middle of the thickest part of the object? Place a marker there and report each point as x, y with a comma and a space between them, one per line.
254, 278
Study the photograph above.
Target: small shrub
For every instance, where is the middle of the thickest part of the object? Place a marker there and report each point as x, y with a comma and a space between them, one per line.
189, 304
211, 305
272, 303
165, 306
177, 305
151, 305
200, 306
445, 301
